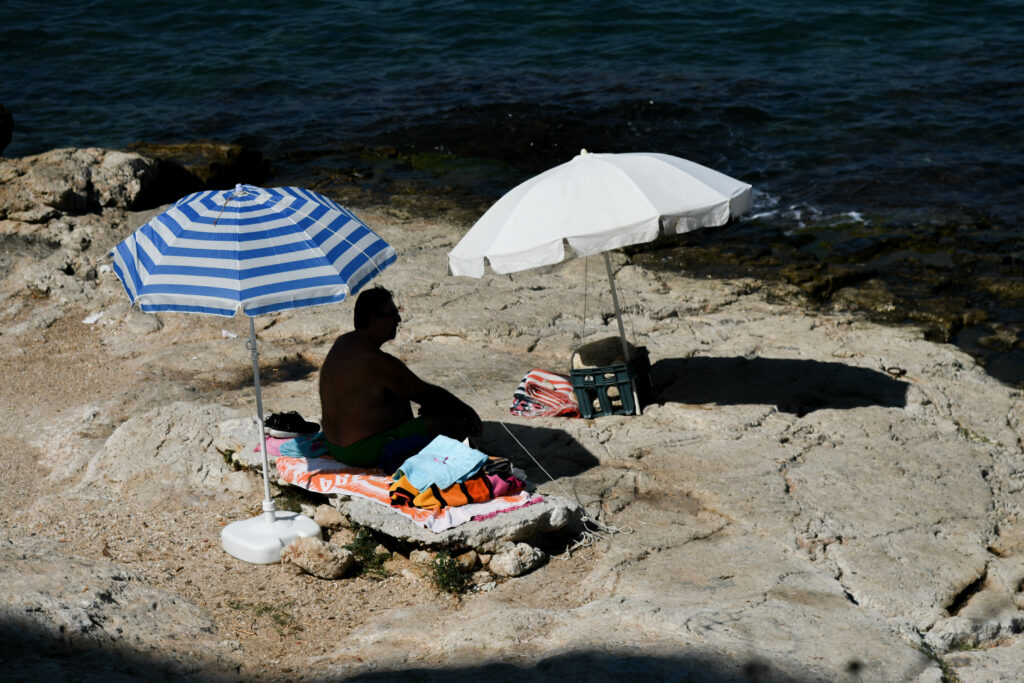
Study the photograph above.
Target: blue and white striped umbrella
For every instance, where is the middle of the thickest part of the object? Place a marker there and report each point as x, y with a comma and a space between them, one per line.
255, 249
258, 250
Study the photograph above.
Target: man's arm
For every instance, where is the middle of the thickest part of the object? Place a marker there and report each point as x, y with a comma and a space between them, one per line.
398, 378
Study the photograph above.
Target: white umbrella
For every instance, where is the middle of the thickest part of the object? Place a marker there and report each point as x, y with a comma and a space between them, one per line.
257, 250
597, 202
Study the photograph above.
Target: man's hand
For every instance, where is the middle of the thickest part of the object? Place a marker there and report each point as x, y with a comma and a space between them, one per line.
473, 423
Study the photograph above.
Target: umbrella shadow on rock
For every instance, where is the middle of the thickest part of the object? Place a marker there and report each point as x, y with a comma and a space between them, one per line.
212, 376
291, 369
794, 386
556, 450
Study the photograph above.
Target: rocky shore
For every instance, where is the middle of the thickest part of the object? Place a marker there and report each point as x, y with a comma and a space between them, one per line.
810, 496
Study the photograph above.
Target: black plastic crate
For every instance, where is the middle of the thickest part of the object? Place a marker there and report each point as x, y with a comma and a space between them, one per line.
592, 386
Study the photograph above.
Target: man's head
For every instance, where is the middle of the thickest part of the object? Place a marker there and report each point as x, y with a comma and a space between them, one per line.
375, 308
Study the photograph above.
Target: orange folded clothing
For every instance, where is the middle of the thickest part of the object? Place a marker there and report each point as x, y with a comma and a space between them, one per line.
478, 489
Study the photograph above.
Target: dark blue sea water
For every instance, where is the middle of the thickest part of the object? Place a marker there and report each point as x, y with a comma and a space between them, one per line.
844, 106
892, 114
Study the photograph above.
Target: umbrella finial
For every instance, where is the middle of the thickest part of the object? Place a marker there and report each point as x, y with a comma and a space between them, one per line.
584, 151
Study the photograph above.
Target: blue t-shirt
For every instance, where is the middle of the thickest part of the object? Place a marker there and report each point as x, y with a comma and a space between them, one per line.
443, 462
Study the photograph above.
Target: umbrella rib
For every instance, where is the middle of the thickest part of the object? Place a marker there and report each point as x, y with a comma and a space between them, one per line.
290, 212
238, 271
296, 218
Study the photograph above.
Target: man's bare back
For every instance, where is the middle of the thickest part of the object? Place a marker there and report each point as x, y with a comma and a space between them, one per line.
356, 402
365, 391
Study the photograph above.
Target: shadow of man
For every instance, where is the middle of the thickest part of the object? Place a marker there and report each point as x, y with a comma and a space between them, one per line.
555, 450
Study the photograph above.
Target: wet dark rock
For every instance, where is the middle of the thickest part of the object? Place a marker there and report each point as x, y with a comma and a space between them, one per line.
871, 295
201, 165
1002, 339
379, 152
715, 260
820, 282
943, 273
863, 248
974, 316
416, 184
941, 318
6, 127
1010, 290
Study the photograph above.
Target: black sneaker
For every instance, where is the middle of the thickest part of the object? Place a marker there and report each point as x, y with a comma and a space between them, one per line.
289, 425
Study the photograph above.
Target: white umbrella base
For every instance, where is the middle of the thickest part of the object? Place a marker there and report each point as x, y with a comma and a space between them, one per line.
260, 541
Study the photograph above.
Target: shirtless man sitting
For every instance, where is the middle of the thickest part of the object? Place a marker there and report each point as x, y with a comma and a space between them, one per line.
365, 392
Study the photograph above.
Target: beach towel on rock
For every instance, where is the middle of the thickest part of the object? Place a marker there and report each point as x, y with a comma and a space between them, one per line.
307, 446
330, 477
544, 394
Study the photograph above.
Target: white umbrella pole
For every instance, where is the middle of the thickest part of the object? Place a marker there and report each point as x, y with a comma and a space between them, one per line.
615, 302
622, 329
260, 540
268, 501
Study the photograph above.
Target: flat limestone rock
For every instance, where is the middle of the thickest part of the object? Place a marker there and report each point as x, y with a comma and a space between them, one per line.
810, 496
549, 515
164, 454
1001, 663
768, 607
88, 609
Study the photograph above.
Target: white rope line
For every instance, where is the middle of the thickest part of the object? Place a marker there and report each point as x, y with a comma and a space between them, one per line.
593, 529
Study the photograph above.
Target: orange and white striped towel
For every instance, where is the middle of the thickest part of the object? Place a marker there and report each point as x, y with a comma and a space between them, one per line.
328, 476
543, 393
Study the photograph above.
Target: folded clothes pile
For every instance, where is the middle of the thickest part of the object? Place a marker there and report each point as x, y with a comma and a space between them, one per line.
450, 473
476, 489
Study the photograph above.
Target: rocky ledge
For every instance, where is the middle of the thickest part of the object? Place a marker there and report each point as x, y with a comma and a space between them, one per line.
808, 496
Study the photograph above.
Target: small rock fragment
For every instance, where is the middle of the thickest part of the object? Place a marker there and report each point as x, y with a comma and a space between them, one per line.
483, 581
421, 557
468, 561
329, 517
521, 559
315, 557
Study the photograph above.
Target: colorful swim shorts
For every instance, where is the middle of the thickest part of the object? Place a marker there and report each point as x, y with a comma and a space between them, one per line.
367, 452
